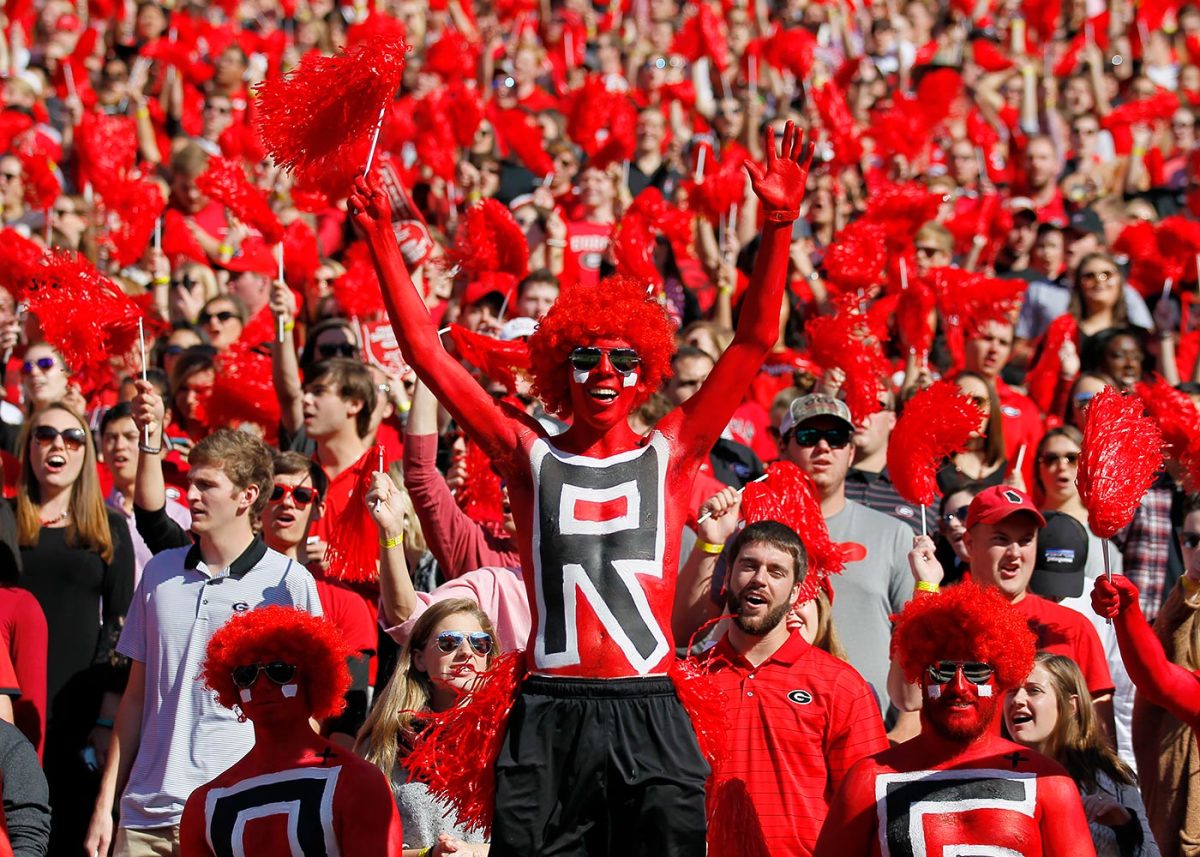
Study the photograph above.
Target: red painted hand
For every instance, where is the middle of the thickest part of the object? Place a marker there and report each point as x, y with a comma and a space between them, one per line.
1110, 599
369, 207
780, 186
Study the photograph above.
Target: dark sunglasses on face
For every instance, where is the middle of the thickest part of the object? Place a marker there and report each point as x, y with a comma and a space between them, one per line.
301, 495
73, 438
959, 514
222, 316
451, 641
1191, 541
943, 672
624, 360
837, 437
276, 671
337, 349
43, 363
186, 283
1052, 458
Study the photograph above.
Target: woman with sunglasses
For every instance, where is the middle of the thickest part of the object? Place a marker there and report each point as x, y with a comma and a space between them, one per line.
222, 320
1051, 712
451, 643
983, 460
192, 286
191, 385
77, 560
45, 379
1100, 299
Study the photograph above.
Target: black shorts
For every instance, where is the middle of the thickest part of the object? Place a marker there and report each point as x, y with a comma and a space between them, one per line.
599, 767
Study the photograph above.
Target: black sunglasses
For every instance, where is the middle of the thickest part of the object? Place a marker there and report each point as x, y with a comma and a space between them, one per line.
624, 360
276, 671
185, 282
959, 514
1052, 458
222, 316
975, 672
837, 437
451, 641
301, 495
43, 363
73, 438
337, 349
1190, 540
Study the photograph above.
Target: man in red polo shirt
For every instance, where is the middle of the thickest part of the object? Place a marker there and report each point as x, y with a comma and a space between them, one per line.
798, 717
1001, 539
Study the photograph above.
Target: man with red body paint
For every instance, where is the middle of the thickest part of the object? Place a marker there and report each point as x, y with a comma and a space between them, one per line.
595, 759
957, 788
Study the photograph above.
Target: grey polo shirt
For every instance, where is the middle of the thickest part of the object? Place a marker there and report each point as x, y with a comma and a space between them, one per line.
187, 737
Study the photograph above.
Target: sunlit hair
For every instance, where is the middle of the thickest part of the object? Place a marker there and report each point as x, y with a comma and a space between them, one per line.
395, 718
963, 623
87, 524
312, 644
993, 441
617, 308
242, 457
1076, 741
826, 638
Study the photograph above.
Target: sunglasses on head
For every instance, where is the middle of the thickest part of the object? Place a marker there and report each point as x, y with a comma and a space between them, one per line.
277, 671
1191, 541
337, 349
837, 437
624, 360
451, 641
975, 672
43, 363
222, 316
1052, 458
73, 438
301, 495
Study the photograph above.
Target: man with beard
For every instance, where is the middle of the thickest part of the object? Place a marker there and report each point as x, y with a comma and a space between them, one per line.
958, 788
798, 717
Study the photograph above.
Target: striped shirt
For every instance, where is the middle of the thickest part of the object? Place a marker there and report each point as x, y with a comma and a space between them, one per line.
876, 491
797, 723
187, 737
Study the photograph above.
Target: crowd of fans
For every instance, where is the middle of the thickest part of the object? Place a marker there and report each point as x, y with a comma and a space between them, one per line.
1023, 174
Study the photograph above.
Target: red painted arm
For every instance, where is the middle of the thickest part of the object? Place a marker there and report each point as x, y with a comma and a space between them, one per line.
780, 188
459, 393
1064, 826
1165, 684
367, 819
192, 842
852, 821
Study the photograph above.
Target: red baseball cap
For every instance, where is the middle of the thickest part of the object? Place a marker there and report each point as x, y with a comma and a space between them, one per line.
253, 256
993, 505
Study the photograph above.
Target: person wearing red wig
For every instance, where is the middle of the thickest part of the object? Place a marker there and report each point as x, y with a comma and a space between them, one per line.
599, 511
958, 787
294, 793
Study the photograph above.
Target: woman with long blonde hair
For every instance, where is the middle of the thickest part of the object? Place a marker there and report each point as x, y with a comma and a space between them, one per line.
77, 560
452, 642
1052, 712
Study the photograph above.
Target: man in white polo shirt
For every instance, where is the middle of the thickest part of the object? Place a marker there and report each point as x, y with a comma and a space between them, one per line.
170, 735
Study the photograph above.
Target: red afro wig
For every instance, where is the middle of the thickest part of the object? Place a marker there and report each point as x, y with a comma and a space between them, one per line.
282, 634
616, 308
964, 623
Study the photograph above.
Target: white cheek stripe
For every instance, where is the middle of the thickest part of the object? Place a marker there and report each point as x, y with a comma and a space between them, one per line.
984, 689
630, 380
579, 376
290, 690
245, 694
934, 691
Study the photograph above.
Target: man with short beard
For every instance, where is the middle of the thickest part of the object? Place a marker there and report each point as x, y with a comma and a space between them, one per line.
798, 717
958, 788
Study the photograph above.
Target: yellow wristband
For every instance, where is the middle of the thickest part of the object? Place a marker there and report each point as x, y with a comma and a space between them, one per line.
926, 586
161, 281
288, 326
393, 542
225, 250
709, 547
143, 113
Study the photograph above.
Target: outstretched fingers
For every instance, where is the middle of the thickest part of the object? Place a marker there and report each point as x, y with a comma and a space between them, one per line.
755, 171
770, 150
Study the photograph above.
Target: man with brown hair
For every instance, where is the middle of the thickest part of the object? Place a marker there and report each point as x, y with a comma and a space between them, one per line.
170, 736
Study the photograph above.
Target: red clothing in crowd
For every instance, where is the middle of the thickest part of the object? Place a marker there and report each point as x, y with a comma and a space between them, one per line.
1064, 631
1023, 426
796, 724
589, 242
23, 635
345, 609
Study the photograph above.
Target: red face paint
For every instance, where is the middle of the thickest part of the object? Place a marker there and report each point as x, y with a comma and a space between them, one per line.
959, 710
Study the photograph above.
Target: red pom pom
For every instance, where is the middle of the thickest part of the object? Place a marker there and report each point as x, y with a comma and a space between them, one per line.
464, 109
602, 123
633, 249
1159, 107
481, 495
1042, 377
722, 188
835, 115
1179, 240
455, 754
1121, 455
791, 50
318, 121
491, 240
1173, 411
494, 358
134, 206
20, 261
243, 392
702, 35
452, 57
935, 423
106, 150
901, 209
854, 263
937, 92
226, 182
839, 341
41, 184
913, 319
901, 130
301, 258
357, 291
521, 133
353, 553
787, 495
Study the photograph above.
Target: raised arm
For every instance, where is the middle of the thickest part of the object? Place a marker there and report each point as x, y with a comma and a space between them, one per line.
1165, 684
453, 385
780, 189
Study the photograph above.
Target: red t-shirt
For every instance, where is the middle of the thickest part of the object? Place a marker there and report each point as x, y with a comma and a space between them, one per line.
346, 609
1023, 425
797, 723
749, 426
1065, 632
589, 242
24, 637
